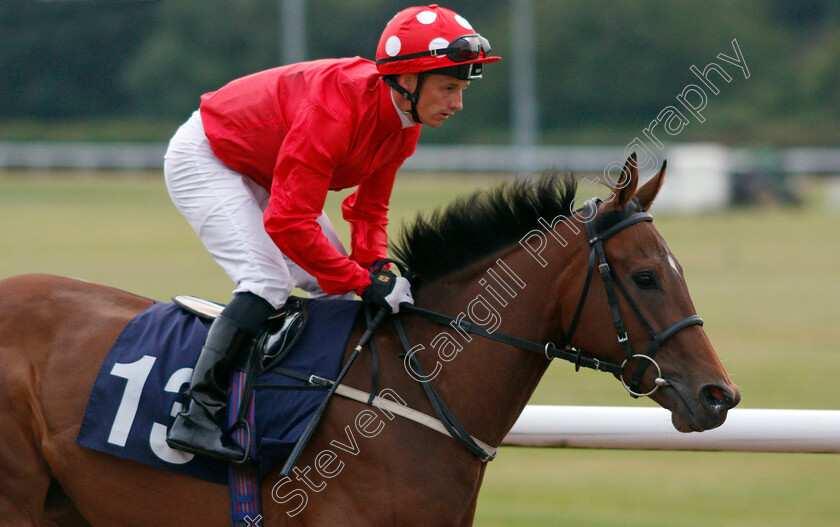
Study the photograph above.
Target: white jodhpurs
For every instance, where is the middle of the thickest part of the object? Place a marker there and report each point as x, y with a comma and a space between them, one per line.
225, 209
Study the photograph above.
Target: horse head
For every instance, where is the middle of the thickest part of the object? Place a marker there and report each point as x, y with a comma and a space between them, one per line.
633, 308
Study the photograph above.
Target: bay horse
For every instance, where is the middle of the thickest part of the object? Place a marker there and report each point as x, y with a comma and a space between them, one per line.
516, 261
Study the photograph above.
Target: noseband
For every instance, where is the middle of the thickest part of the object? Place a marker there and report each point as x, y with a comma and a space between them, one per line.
611, 282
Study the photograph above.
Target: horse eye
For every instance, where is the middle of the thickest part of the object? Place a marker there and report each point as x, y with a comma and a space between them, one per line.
644, 280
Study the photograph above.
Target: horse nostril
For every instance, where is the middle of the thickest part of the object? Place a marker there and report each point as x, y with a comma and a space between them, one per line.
716, 393
717, 398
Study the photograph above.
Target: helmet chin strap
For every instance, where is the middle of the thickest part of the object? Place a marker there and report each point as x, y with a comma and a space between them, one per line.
412, 97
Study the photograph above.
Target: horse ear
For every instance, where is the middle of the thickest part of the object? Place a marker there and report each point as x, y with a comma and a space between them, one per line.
626, 186
650, 189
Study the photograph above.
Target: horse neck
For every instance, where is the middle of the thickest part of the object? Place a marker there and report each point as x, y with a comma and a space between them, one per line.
487, 384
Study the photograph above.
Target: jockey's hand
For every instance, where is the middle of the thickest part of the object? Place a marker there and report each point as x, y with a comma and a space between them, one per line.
388, 290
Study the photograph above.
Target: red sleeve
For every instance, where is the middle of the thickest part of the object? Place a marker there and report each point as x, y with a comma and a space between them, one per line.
314, 146
366, 210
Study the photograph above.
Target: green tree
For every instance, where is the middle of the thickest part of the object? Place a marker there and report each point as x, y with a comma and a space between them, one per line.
196, 48
605, 68
63, 60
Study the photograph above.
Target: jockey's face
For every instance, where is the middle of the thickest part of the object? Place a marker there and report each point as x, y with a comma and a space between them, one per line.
440, 98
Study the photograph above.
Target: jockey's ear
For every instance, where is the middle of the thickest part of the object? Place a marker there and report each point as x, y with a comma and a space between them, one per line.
408, 81
649, 190
625, 187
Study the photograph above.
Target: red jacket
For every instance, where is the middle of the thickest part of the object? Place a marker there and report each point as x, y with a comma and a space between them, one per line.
307, 128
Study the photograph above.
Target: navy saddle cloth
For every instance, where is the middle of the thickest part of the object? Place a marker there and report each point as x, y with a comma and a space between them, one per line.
138, 389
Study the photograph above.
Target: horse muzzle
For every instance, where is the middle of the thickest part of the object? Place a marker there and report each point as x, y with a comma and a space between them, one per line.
697, 410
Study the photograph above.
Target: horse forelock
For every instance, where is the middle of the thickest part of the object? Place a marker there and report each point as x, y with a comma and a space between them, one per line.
452, 238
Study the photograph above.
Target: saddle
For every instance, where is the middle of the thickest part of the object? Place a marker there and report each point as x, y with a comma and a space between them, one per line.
280, 334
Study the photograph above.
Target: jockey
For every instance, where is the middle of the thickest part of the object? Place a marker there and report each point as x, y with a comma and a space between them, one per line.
251, 168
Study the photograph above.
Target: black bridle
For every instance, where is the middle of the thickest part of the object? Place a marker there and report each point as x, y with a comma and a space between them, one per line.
596, 238
615, 222
597, 254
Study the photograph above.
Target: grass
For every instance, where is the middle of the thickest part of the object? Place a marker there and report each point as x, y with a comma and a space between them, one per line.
647, 489
767, 282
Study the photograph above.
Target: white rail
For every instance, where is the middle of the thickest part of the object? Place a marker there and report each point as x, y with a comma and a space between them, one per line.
745, 430
460, 158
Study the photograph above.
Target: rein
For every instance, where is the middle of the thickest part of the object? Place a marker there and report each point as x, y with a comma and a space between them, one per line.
569, 352
572, 355
447, 422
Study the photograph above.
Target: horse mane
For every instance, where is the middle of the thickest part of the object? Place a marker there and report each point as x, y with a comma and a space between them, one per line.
478, 225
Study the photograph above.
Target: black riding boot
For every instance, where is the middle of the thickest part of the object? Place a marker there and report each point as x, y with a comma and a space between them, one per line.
197, 429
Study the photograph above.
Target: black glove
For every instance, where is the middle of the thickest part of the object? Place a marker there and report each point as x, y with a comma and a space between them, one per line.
388, 290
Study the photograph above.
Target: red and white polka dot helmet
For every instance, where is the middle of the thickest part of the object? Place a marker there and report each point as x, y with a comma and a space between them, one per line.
431, 37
